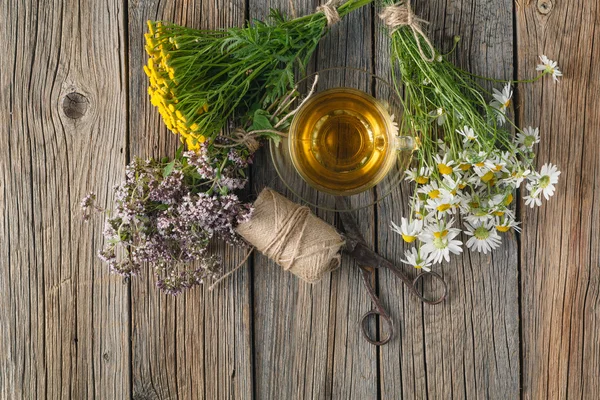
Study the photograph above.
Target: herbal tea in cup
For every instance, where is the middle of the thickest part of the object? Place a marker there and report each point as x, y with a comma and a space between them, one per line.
343, 141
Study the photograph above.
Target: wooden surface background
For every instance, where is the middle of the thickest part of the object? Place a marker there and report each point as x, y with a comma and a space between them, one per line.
522, 322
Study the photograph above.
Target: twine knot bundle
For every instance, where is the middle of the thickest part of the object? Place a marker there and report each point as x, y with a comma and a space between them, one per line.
400, 15
292, 236
330, 11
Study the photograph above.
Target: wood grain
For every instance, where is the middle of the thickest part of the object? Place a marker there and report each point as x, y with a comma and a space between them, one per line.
197, 345
64, 330
560, 252
307, 339
74, 109
468, 346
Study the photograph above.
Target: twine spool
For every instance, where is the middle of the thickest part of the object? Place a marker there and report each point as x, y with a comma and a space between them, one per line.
292, 236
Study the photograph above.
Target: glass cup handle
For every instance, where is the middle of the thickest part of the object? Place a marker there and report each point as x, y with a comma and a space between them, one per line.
405, 143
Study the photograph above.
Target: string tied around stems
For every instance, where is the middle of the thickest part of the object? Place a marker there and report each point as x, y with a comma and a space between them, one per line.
401, 14
330, 11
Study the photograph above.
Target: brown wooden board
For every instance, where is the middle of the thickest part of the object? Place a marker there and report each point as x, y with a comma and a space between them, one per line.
560, 256
307, 339
468, 346
196, 345
74, 109
64, 319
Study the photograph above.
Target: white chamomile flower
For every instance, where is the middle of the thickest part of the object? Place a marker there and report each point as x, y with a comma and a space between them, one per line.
468, 202
548, 177
431, 190
549, 67
439, 247
496, 164
442, 146
501, 102
483, 238
438, 229
468, 134
442, 205
418, 209
484, 174
533, 198
409, 230
417, 260
439, 114
504, 224
453, 185
418, 175
444, 165
478, 216
517, 176
528, 138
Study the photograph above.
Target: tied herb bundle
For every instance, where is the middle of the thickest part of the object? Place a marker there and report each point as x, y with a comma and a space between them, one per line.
167, 211
468, 163
200, 78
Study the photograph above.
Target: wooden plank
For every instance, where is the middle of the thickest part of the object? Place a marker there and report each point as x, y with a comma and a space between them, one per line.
197, 345
560, 243
64, 330
468, 347
307, 339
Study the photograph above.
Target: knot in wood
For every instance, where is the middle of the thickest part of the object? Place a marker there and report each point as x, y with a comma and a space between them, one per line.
75, 105
544, 6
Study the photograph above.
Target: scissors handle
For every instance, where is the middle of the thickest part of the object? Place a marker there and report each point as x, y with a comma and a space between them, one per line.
415, 290
378, 311
388, 321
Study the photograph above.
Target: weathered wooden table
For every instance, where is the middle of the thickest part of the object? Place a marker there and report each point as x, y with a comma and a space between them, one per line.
74, 109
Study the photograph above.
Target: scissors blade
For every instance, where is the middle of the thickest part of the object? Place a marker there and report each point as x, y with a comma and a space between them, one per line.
349, 225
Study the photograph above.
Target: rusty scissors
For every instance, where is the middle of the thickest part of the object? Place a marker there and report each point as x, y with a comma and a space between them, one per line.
368, 260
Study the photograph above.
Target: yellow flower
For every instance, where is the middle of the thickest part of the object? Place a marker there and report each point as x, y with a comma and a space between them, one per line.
421, 180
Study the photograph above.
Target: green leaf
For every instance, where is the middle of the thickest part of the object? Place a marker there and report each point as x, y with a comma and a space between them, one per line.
272, 136
260, 121
168, 168
179, 152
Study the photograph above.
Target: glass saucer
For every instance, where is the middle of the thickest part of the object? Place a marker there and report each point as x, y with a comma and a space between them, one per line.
319, 197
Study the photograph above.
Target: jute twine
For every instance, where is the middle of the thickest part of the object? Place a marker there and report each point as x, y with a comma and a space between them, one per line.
292, 236
401, 14
330, 11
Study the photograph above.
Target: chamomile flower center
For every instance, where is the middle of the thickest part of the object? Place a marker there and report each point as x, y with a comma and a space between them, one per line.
443, 207
440, 234
502, 228
444, 169
509, 199
529, 141
439, 243
544, 181
487, 177
481, 233
434, 194
421, 180
506, 103
409, 238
